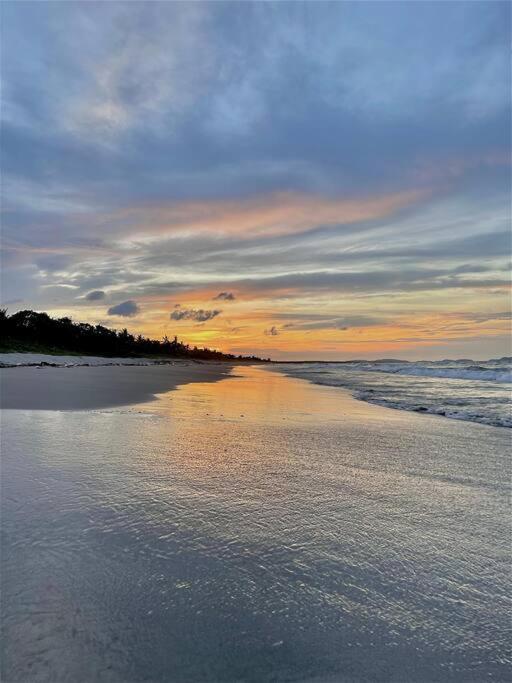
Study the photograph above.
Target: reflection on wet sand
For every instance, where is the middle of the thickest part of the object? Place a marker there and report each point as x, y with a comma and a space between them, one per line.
258, 528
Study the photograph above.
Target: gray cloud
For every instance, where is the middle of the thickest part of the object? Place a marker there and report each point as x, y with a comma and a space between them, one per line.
126, 309
397, 280
95, 295
385, 279
332, 249
198, 315
234, 127
271, 331
224, 296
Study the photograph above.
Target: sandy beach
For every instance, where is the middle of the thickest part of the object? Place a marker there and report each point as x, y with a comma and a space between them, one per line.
253, 528
15, 359
82, 388
255, 350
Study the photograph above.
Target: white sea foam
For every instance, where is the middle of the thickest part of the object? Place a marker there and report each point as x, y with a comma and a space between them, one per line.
462, 371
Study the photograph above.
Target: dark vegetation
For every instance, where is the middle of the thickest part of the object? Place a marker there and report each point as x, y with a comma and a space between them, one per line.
31, 331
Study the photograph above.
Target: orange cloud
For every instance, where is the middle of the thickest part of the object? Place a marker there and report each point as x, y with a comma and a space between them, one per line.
276, 214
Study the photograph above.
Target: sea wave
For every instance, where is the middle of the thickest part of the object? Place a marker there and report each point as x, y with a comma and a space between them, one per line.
462, 390
473, 372
454, 411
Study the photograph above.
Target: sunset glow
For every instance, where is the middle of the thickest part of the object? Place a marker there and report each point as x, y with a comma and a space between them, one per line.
222, 173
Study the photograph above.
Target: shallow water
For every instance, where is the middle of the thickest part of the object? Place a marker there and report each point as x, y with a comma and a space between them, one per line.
255, 529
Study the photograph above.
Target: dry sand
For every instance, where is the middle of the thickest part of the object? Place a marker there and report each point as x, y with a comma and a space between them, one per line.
20, 359
85, 388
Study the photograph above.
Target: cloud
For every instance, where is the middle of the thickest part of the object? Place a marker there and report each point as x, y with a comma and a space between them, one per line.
267, 215
150, 78
271, 332
378, 281
95, 295
321, 322
198, 315
309, 173
155, 72
224, 296
126, 309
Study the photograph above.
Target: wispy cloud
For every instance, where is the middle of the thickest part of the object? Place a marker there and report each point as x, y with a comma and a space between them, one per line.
140, 80
263, 216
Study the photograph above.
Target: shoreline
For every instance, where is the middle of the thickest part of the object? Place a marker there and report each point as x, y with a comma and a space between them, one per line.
97, 382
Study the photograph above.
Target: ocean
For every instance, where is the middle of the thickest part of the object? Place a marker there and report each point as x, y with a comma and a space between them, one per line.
477, 391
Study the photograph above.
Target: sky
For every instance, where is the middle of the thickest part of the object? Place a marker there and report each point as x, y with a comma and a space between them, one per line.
300, 180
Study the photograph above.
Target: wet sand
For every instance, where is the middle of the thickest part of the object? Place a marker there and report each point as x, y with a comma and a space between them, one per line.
259, 529
87, 388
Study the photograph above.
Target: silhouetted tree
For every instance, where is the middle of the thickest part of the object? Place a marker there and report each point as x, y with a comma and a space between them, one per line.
26, 328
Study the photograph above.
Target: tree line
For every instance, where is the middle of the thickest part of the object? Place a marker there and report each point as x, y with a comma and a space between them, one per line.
26, 330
